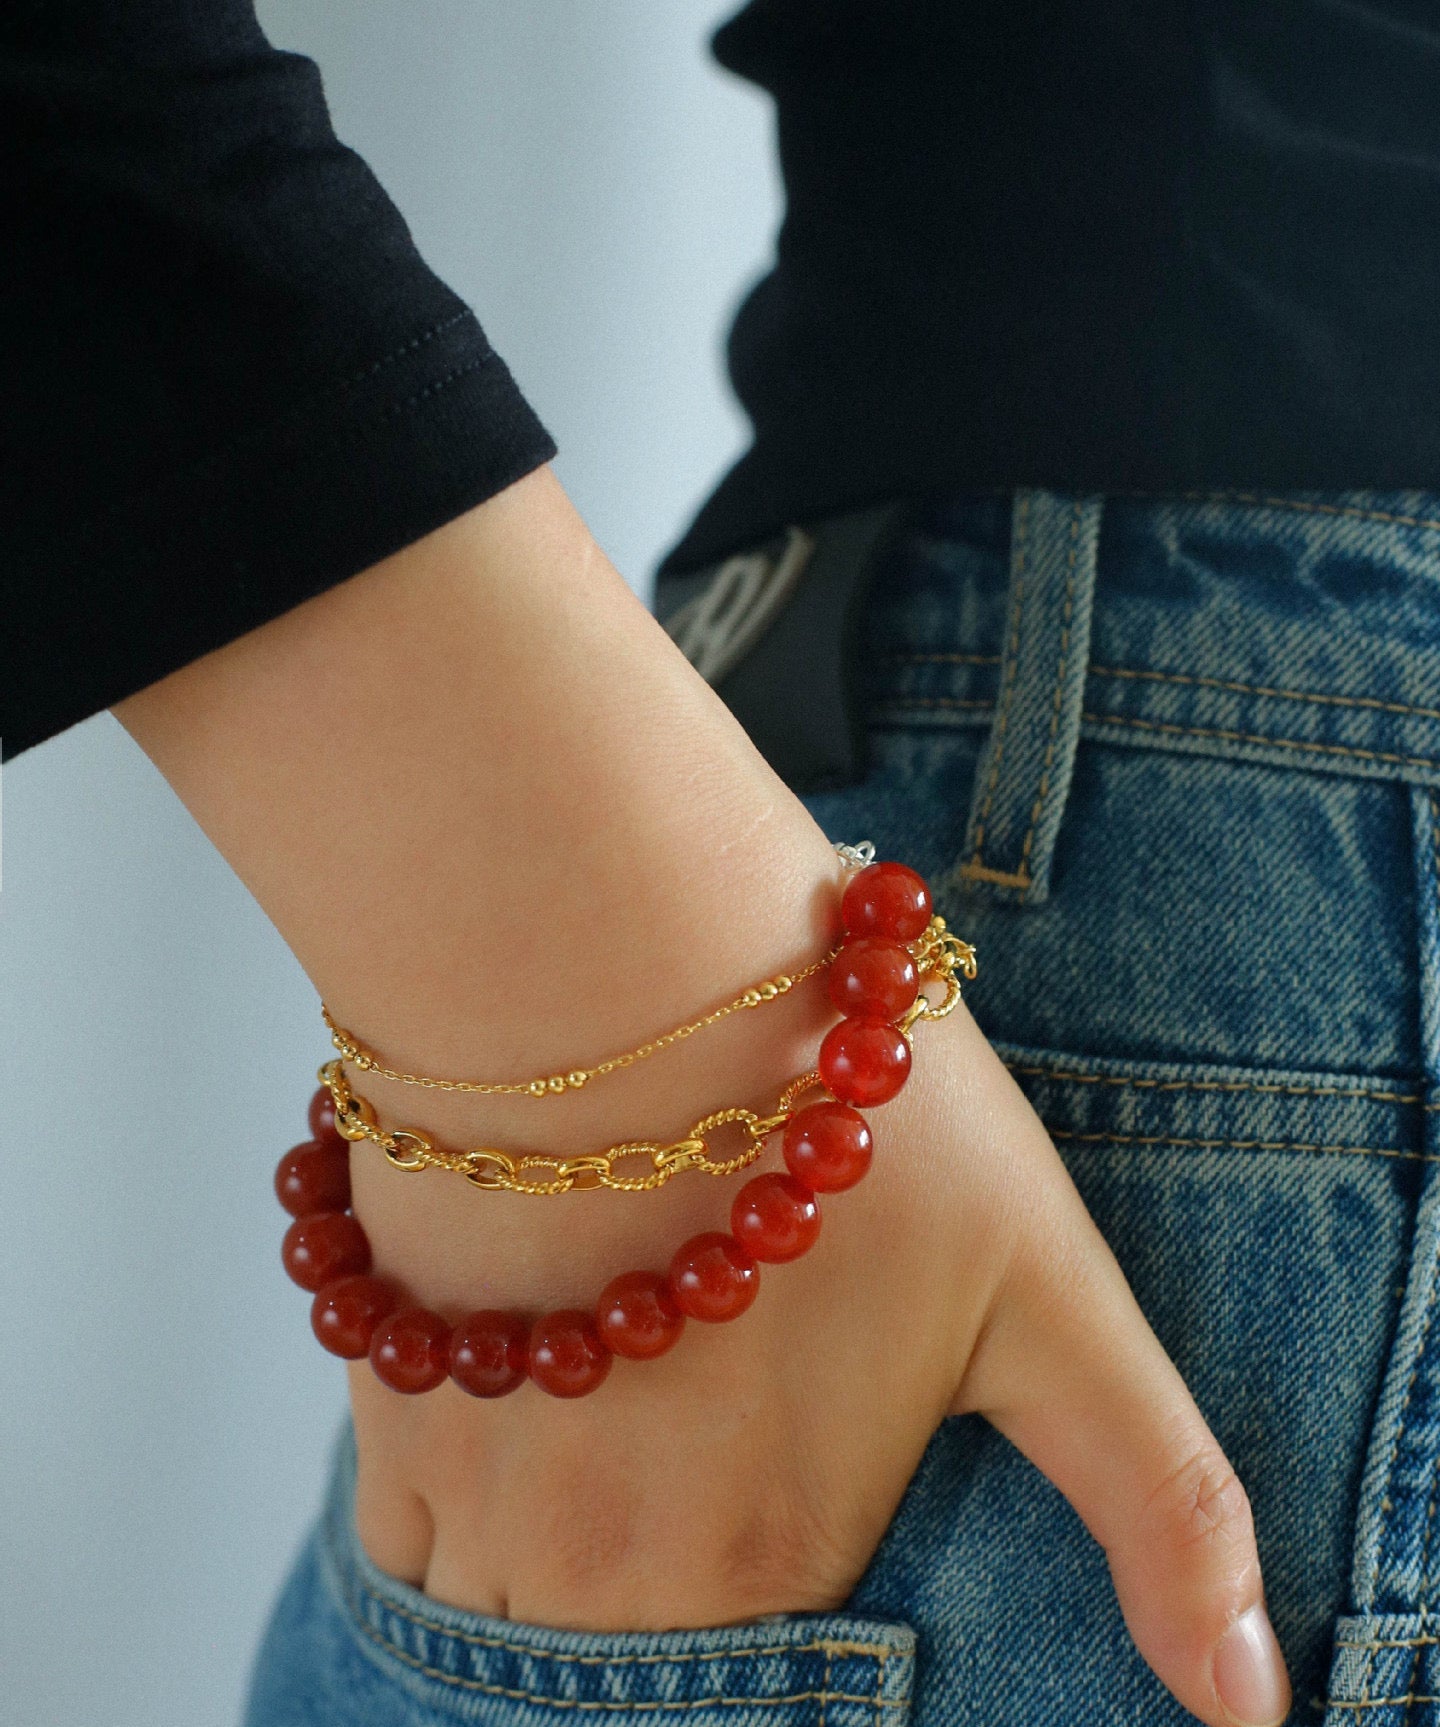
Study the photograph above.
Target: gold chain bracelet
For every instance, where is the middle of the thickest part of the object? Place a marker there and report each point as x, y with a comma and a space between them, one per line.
354, 1051
488, 1167
938, 953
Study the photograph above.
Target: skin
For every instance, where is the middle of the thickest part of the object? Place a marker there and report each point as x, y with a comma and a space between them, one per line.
505, 828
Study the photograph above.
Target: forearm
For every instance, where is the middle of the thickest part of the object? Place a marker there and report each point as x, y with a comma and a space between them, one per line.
502, 823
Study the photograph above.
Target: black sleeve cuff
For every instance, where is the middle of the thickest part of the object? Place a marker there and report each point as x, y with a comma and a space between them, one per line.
420, 436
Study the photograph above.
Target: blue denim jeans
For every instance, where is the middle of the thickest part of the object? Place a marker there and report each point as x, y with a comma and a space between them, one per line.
1172, 763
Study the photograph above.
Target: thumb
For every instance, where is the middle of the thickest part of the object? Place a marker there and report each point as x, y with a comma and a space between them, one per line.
1069, 1370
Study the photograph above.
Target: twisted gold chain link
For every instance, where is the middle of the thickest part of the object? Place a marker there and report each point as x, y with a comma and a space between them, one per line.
545, 1173
938, 954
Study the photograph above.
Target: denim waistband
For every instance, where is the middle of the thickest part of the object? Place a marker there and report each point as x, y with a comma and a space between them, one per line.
1300, 630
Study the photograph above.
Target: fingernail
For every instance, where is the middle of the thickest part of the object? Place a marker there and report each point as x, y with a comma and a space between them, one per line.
1250, 1672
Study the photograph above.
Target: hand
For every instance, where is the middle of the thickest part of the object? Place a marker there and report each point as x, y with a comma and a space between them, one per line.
483, 752
755, 1467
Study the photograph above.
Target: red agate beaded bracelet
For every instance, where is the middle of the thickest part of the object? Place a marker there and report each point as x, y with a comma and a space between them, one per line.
712, 1277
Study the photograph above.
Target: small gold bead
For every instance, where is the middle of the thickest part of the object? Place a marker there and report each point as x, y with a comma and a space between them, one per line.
364, 1062
556, 1082
768, 991
782, 983
938, 921
578, 1078
751, 998
537, 1088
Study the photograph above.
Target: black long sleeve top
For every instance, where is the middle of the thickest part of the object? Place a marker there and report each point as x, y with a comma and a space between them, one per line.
1091, 244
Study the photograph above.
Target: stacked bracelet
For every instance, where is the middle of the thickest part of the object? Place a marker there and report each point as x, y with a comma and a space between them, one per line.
893, 945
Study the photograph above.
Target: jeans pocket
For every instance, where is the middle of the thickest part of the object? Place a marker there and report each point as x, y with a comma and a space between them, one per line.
348, 1643
1265, 1219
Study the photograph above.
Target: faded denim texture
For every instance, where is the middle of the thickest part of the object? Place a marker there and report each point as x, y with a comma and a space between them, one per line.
1173, 764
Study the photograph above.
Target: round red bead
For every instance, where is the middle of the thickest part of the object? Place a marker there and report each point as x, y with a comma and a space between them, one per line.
345, 1313
314, 1177
322, 1117
827, 1146
886, 899
322, 1246
873, 978
864, 1061
410, 1350
713, 1278
637, 1315
488, 1353
775, 1218
567, 1355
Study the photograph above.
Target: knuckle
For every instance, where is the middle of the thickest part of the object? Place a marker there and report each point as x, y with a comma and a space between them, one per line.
590, 1532
1203, 1504
786, 1548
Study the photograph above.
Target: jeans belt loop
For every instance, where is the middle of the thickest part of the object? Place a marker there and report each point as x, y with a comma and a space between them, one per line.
1023, 776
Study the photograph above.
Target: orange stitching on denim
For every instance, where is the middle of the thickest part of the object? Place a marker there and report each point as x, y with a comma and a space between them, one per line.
1222, 1085
1256, 738
522, 1696
1368, 702
880, 1652
1410, 1694
1003, 877
1181, 677
1391, 1643
1355, 510
1324, 697
649, 1706
480, 1640
902, 702
832, 1646
1381, 1702
1242, 1144
1076, 511
1007, 683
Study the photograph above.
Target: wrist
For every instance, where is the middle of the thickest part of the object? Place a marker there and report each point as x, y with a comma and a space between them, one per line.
479, 777
714, 928
432, 1227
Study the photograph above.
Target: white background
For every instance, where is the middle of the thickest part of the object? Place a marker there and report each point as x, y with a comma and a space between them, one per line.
601, 193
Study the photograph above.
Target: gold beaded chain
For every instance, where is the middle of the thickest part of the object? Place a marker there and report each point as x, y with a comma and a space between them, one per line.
938, 953
757, 993
552, 1085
